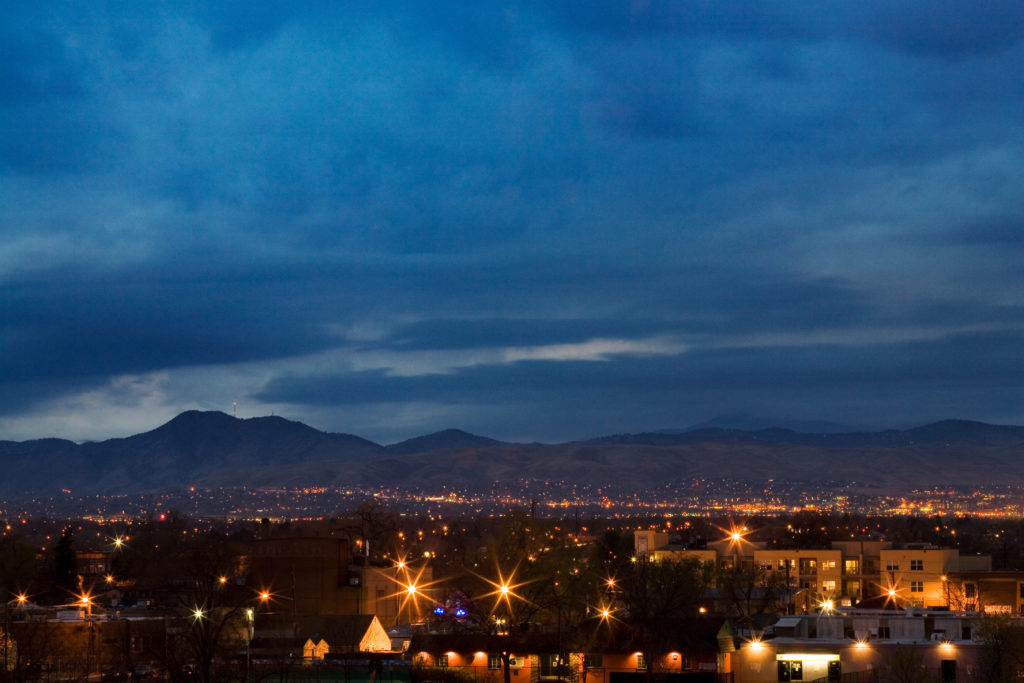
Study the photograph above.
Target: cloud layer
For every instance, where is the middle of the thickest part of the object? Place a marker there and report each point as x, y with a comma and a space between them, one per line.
532, 221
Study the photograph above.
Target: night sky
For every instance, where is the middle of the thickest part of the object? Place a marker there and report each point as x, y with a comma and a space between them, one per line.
533, 221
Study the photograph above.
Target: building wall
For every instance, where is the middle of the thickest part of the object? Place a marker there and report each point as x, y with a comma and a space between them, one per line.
817, 574
760, 664
318, 576
916, 574
477, 665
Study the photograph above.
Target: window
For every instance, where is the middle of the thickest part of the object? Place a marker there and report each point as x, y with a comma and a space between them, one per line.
965, 632
851, 566
641, 663
828, 586
917, 565
593, 661
808, 566
970, 590
828, 564
917, 586
442, 660
892, 565
493, 661
884, 632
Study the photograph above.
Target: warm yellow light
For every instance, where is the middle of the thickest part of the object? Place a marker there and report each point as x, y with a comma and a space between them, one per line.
223, 579
755, 645
736, 536
827, 605
605, 613
22, 599
197, 614
400, 564
860, 645
411, 589
611, 583
892, 592
110, 578
503, 589
946, 645
807, 657
703, 610
264, 595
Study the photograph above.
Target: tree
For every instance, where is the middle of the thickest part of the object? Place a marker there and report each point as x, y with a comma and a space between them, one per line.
211, 620
1001, 659
655, 594
750, 592
65, 578
906, 665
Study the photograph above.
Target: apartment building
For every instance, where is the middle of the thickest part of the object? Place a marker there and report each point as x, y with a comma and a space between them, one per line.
852, 572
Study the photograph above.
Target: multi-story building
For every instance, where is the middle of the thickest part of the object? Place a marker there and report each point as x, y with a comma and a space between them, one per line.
847, 573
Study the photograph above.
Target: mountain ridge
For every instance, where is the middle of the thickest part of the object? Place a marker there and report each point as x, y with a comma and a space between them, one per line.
212, 448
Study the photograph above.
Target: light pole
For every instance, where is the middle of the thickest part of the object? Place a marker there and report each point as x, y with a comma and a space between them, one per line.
250, 617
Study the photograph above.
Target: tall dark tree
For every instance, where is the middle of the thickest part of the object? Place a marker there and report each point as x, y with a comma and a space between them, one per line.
65, 578
657, 596
751, 593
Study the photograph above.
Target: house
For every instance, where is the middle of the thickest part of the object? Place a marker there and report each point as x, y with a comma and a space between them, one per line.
696, 649
597, 651
317, 637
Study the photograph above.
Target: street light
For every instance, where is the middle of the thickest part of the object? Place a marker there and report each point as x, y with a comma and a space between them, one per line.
250, 618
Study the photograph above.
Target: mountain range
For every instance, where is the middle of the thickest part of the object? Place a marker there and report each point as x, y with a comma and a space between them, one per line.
212, 449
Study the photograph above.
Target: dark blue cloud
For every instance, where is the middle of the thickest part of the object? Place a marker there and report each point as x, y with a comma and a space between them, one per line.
378, 200
854, 382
